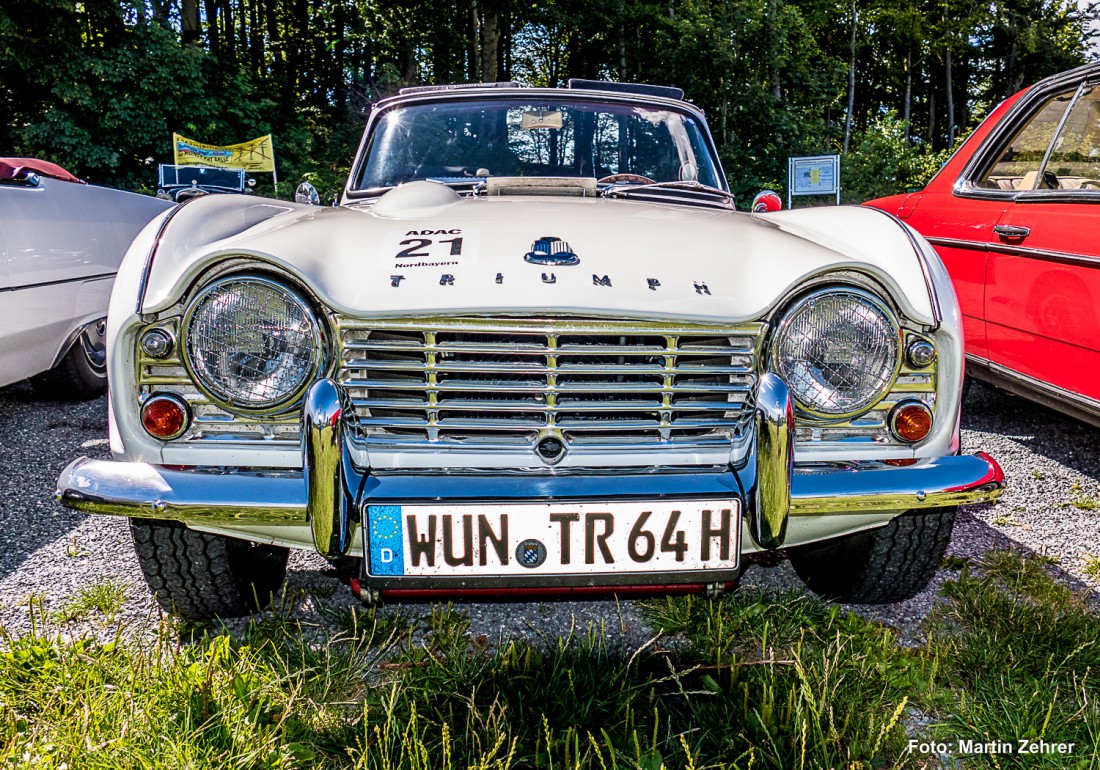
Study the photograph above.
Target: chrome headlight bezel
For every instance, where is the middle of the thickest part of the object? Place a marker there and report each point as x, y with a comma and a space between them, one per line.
888, 375
233, 402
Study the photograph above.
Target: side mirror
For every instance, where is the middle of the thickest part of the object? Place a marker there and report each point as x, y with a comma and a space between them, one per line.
251, 183
307, 193
766, 201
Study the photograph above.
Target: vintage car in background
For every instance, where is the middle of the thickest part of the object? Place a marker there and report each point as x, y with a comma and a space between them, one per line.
181, 183
61, 242
1015, 215
535, 350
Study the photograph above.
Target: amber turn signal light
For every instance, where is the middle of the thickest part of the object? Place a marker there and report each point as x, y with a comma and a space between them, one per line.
165, 416
911, 421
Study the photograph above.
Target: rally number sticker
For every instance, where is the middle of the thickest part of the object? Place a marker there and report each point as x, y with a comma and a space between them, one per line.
429, 248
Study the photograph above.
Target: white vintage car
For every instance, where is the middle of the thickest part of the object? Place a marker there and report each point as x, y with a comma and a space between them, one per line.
535, 350
61, 242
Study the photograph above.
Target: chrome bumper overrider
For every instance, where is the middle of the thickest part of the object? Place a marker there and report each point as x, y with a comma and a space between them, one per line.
331, 492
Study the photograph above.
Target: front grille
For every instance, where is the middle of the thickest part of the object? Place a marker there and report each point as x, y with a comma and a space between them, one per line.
503, 381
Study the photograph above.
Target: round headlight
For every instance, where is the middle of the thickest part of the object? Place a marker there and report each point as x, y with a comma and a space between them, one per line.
251, 343
838, 350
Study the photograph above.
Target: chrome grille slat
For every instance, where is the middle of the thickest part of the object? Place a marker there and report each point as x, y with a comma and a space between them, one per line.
734, 389
537, 406
529, 350
564, 368
452, 382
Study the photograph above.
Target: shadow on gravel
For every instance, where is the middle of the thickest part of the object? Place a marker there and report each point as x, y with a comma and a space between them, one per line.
973, 537
1042, 430
38, 438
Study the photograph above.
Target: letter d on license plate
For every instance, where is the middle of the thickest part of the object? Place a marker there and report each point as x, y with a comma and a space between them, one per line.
552, 539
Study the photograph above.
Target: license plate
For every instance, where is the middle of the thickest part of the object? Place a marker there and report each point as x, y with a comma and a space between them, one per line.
552, 539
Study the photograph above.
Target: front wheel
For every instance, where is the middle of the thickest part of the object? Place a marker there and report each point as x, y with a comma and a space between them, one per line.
81, 374
197, 575
880, 566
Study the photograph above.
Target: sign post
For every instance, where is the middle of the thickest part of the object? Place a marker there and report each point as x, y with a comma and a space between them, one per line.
813, 175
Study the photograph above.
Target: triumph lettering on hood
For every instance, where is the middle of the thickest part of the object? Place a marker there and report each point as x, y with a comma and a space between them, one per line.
447, 279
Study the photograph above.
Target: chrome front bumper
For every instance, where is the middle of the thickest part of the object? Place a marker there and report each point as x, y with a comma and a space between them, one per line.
331, 492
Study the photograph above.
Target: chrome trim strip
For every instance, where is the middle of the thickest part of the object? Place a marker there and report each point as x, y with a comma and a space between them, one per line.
774, 459
280, 497
1046, 255
1062, 400
44, 284
957, 243
328, 500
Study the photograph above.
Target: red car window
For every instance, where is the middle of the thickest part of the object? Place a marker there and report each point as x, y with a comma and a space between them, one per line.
1018, 166
1074, 161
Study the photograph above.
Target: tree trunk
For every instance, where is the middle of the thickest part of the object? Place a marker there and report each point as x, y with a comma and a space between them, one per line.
932, 115
229, 38
189, 22
473, 36
772, 55
255, 38
213, 38
851, 82
950, 100
490, 42
908, 89
160, 12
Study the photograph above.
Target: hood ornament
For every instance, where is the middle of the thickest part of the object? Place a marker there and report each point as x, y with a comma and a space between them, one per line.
551, 250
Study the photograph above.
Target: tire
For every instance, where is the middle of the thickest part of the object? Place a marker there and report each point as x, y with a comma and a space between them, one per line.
81, 374
198, 576
880, 566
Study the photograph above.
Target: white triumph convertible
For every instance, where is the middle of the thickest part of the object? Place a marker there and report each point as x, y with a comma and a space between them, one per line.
535, 350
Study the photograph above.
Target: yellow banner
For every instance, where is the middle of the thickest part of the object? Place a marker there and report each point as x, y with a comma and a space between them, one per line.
255, 155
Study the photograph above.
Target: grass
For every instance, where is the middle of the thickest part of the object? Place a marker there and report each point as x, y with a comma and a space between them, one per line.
1092, 567
1082, 501
747, 681
104, 598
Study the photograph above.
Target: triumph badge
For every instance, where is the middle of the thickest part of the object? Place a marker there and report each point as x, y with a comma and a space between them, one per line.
551, 250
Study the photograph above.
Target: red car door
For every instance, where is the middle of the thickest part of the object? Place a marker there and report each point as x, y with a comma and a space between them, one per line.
1043, 275
961, 228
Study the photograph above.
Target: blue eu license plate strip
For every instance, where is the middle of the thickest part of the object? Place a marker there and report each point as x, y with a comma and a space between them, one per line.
387, 549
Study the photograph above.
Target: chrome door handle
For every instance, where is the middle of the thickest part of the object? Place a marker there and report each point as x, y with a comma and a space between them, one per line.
1012, 231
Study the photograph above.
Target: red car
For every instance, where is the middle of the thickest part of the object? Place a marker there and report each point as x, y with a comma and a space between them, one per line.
1015, 215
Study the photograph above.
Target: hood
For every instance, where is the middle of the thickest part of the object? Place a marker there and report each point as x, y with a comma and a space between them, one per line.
421, 249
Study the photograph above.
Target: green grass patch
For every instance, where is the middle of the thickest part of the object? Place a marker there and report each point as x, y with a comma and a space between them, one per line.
104, 599
748, 681
1092, 567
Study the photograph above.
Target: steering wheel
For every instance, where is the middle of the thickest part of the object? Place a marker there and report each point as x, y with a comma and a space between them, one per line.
626, 178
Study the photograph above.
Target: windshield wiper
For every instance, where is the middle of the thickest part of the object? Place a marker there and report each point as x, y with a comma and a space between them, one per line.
626, 189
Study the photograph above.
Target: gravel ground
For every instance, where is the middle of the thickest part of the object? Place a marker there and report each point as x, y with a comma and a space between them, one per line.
49, 554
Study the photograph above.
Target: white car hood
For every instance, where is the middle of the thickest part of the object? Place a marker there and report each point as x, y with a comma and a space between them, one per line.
636, 259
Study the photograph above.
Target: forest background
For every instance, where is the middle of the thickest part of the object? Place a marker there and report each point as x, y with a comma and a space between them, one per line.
893, 85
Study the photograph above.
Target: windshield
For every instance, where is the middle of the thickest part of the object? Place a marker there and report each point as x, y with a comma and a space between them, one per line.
464, 140
200, 176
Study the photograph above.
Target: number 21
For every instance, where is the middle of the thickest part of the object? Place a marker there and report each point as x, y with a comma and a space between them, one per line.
414, 244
